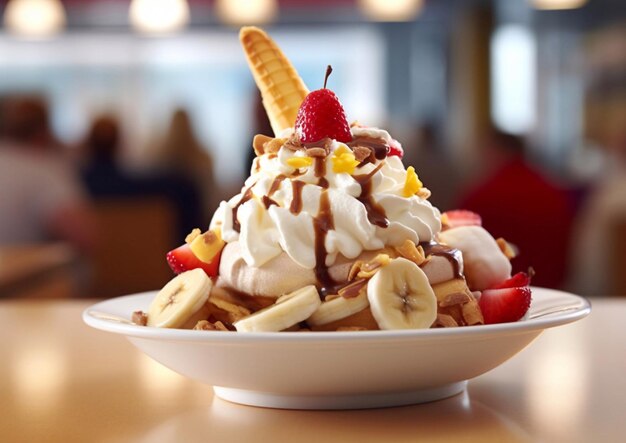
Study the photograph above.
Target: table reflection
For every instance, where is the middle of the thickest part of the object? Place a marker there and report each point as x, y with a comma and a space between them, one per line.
428, 422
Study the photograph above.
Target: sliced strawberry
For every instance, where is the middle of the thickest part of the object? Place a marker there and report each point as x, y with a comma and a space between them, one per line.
462, 217
321, 115
504, 305
183, 259
395, 148
518, 280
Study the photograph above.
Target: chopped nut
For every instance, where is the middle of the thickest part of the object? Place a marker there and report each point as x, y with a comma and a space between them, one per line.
423, 193
411, 252
445, 321
205, 325
472, 313
370, 268
456, 298
258, 143
355, 269
351, 328
316, 152
361, 152
353, 289
233, 312
140, 318
192, 235
331, 297
274, 145
507, 248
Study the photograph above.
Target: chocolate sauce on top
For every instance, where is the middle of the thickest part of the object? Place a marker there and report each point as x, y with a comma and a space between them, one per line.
450, 254
323, 223
267, 202
275, 184
296, 200
247, 195
379, 147
375, 212
319, 168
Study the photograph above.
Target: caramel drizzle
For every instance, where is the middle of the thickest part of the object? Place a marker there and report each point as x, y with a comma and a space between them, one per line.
375, 212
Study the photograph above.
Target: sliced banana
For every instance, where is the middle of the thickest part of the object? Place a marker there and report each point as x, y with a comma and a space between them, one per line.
180, 299
288, 310
400, 296
338, 308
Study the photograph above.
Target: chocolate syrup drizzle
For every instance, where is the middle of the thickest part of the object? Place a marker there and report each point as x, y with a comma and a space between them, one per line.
296, 200
375, 212
450, 254
247, 195
320, 171
323, 223
378, 146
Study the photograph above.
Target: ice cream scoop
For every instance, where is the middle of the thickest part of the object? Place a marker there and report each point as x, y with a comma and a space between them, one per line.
484, 262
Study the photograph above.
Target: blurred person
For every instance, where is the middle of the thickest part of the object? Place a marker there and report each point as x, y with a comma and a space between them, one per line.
183, 153
434, 167
520, 204
105, 177
599, 256
41, 198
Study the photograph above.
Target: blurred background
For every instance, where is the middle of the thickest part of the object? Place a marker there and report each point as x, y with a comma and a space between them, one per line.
124, 123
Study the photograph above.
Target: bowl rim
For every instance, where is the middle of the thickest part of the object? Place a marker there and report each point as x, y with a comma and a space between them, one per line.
573, 308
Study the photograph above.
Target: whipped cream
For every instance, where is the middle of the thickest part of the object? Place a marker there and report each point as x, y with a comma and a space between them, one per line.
279, 207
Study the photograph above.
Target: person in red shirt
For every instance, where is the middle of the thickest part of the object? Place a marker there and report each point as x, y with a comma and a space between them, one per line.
519, 203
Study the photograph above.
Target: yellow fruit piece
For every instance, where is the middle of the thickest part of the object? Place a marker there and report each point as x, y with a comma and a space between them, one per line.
207, 246
299, 162
412, 184
344, 161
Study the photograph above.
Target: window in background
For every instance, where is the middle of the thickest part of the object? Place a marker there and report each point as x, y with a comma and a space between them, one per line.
144, 80
513, 71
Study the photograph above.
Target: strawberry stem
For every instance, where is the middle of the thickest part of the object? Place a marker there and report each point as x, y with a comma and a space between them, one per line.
329, 69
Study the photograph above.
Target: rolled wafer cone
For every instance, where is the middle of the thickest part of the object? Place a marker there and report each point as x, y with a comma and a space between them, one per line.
281, 87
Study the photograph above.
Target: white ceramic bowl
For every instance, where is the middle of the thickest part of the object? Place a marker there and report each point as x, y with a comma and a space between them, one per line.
337, 370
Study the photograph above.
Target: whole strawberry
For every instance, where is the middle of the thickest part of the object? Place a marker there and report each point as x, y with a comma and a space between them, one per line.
321, 115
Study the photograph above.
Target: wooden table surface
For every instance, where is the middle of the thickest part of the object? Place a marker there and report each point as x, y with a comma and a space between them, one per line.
61, 381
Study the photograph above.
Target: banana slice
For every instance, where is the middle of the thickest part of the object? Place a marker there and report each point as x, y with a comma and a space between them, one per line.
401, 298
288, 310
180, 299
338, 308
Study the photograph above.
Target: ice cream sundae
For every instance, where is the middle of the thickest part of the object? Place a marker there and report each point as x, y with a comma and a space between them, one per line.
332, 232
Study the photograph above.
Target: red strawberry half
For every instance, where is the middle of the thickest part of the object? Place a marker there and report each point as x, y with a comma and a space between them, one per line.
321, 115
462, 217
518, 280
183, 259
504, 305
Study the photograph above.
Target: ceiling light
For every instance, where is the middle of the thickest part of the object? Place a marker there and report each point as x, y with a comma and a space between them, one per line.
246, 12
391, 10
557, 4
159, 16
34, 18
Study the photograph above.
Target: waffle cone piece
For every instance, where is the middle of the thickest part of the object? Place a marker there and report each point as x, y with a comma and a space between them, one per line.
282, 89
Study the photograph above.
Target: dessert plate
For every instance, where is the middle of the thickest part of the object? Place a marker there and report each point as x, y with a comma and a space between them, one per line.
336, 370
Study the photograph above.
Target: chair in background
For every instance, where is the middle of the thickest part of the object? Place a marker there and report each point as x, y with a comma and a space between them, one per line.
135, 234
